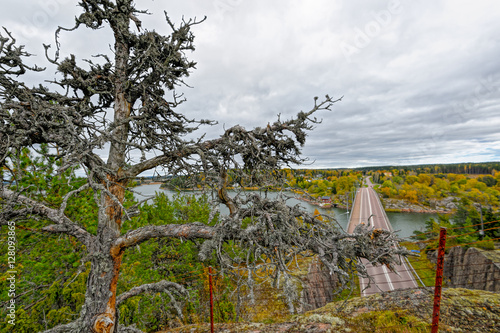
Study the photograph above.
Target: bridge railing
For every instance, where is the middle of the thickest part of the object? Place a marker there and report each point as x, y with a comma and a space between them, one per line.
352, 207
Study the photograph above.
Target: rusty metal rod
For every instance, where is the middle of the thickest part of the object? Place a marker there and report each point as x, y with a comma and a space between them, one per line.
211, 300
439, 280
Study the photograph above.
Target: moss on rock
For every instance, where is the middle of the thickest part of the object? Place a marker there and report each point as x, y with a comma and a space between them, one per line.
399, 311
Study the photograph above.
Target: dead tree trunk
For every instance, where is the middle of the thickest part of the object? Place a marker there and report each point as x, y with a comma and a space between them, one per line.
100, 299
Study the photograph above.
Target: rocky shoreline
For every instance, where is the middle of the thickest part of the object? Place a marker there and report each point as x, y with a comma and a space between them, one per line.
445, 206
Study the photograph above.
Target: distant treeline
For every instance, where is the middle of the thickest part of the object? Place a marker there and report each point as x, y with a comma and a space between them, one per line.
458, 168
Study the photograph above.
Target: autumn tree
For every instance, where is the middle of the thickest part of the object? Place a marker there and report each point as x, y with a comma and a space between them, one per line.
124, 101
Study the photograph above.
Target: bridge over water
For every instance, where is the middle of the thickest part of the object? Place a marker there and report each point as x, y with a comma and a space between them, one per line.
368, 209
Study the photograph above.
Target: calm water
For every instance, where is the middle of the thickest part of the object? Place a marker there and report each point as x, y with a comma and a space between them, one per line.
403, 223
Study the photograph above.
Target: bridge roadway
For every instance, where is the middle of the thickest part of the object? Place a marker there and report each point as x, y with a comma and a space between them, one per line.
368, 210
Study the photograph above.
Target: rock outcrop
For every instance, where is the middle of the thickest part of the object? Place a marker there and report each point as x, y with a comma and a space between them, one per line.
443, 206
471, 268
403, 310
318, 287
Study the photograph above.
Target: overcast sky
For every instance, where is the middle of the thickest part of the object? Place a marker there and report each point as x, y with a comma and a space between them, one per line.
420, 79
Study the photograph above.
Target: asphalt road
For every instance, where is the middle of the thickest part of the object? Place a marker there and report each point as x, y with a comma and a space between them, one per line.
368, 210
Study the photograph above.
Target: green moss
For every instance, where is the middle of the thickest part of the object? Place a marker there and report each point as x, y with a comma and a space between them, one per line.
424, 268
487, 244
389, 321
392, 210
399, 311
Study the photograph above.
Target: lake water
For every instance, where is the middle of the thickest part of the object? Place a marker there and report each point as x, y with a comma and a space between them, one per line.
403, 223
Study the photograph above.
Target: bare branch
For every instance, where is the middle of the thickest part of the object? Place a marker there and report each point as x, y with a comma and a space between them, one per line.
69, 195
195, 230
128, 329
258, 147
62, 223
157, 287
74, 326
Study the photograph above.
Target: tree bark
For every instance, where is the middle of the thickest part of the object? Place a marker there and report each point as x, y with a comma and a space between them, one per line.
105, 269
100, 301
99, 313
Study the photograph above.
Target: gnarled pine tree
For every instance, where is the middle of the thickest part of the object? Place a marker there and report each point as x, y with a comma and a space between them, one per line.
132, 85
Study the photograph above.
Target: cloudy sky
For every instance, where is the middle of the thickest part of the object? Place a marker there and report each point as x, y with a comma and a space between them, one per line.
420, 79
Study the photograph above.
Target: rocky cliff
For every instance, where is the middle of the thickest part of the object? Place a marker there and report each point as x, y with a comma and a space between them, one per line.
444, 206
471, 268
398, 311
318, 287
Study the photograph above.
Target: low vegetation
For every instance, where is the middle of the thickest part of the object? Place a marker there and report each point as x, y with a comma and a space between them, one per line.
400, 311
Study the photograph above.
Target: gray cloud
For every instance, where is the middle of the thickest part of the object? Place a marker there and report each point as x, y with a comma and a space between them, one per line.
421, 80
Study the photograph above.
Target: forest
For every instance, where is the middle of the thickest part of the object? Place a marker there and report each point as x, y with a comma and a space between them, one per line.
423, 187
459, 168
417, 185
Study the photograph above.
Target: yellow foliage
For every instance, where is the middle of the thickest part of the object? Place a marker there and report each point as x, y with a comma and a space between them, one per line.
317, 215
